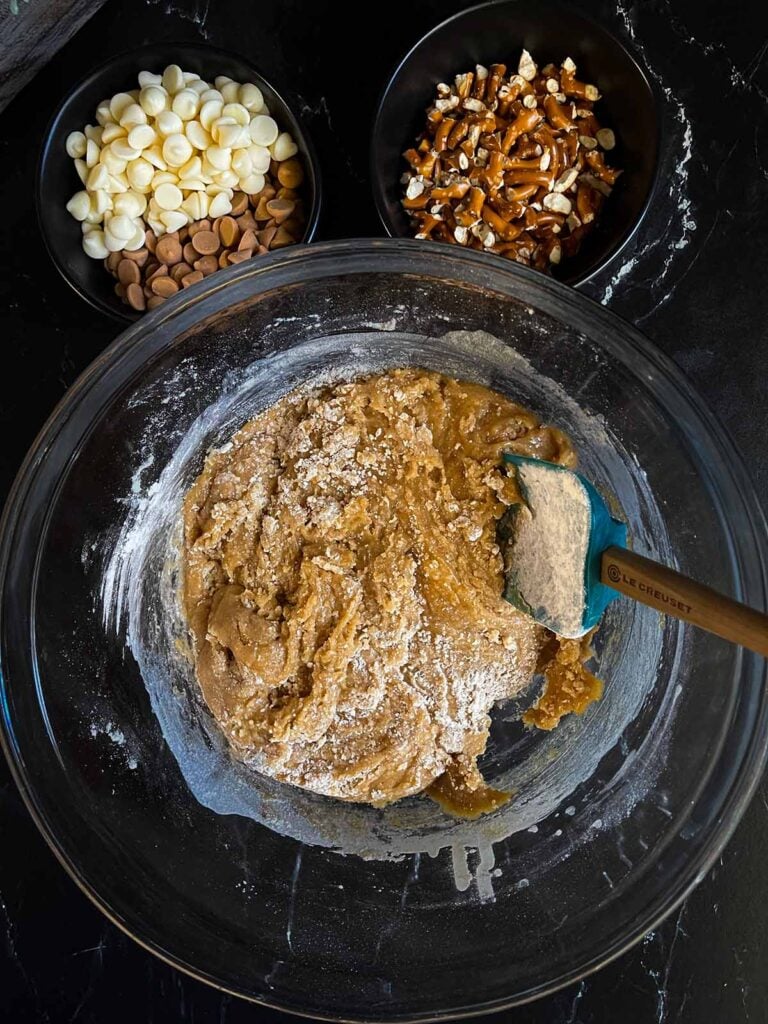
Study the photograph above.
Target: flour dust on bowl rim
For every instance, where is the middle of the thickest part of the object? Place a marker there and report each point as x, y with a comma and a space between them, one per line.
312, 905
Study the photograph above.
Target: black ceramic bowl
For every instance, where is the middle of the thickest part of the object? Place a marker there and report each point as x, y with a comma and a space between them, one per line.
497, 32
57, 179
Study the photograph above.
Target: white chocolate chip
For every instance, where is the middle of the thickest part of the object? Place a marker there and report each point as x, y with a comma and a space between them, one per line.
253, 184
79, 205
220, 159
263, 130
220, 205
110, 132
137, 238
185, 104
173, 79
98, 177
121, 226
168, 196
237, 112
229, 179
130, 204
283, 148
93, 245
168, 123
141, 137
148, 78
588, 142
91, 153
174, 219
76, 144
118, 103
123, 150
251, 97
197, 135
230, 92
260, 158
153, 100
177, 149
209, 112
140, 173
132, 115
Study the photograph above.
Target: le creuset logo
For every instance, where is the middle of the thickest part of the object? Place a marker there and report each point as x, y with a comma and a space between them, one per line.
615, 575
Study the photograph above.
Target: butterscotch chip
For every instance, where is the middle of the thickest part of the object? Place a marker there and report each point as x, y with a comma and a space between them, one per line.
198, 225
229, 231
282, 237
192, 278
290, 173
261, 212
148, 291
239, 204
184, 234
215, 225
266, 235
268, 192
164, 286
205, 242
280, 209
135, 297
287, 193
128, 272
150, 239
246, 221
190, 253
240, 256
180, 270
155, 301
112, 261
294, 226
139, 256
169, 250
223, 258
207, 265
248, 241
159, 271
119, 290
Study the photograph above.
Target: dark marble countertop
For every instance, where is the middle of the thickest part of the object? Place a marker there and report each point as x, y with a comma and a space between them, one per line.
693, 280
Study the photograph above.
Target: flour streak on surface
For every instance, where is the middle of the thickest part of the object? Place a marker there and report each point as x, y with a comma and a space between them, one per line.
139, 600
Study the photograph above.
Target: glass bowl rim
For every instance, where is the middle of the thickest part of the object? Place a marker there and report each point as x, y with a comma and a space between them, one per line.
658, 373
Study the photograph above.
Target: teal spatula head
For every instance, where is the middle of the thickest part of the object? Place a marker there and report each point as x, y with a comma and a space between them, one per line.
552, 547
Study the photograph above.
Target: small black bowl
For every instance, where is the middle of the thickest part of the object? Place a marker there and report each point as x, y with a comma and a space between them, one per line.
497, 32
57, 178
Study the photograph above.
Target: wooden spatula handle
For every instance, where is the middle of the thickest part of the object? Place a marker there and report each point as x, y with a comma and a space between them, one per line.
675, 594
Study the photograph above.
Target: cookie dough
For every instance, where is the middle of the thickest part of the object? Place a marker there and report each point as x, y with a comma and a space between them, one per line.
342, 583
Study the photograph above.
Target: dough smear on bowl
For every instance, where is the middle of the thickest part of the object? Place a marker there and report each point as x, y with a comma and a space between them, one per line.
342, 583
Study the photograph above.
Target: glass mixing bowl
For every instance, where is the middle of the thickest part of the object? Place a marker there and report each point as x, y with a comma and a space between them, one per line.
309, 904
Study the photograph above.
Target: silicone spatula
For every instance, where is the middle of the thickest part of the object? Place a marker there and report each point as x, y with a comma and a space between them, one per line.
566, 559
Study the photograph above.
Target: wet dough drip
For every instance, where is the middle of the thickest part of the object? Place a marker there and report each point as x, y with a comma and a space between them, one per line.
343, 585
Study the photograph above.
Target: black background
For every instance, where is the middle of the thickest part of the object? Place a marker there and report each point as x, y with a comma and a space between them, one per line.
693, 280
